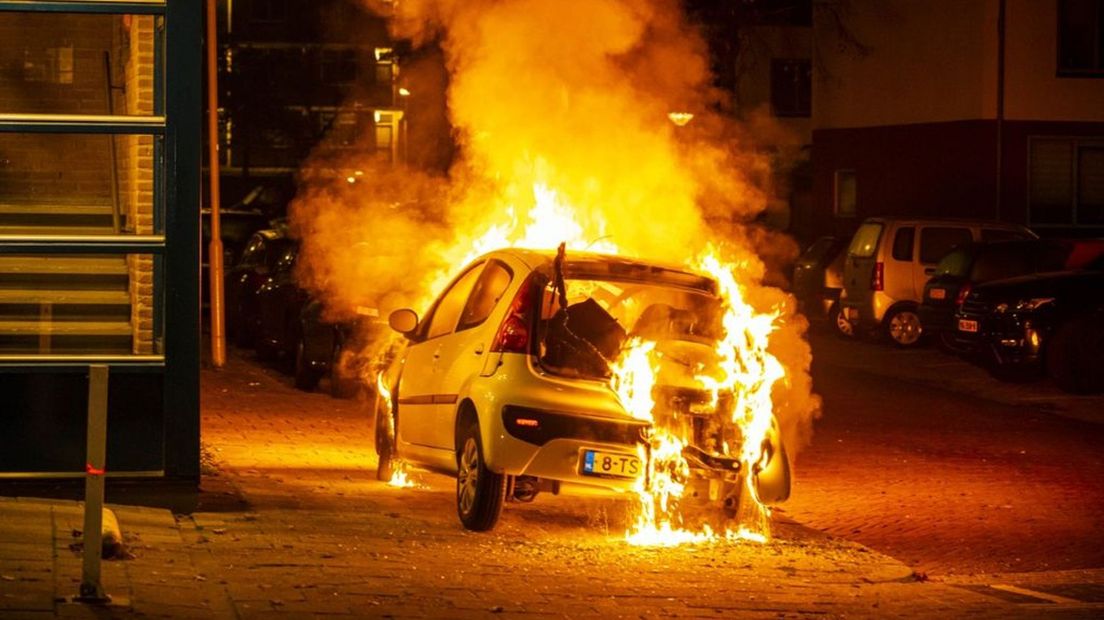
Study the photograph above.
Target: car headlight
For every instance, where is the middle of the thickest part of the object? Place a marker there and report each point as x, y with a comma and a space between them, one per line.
1034, 303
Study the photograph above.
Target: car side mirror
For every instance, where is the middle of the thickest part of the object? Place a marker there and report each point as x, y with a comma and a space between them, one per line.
404, 321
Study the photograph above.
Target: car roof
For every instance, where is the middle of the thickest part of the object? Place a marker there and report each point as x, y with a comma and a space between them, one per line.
543, 259
945, 220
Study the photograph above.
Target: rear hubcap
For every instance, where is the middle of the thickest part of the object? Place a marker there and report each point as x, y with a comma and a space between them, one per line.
467, 476
904, 327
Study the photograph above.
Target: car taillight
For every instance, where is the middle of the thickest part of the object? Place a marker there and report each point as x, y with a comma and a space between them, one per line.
877, 279
513, 334
962, 293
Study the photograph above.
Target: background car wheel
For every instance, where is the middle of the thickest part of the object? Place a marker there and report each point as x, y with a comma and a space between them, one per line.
306, 377
840, 325
385, 441
1073, 357
479, 492
902, 327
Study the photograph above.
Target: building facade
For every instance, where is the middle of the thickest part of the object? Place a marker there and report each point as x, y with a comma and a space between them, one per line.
99, 227
958, 108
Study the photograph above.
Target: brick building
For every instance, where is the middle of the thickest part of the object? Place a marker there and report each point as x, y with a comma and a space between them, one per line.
99, 182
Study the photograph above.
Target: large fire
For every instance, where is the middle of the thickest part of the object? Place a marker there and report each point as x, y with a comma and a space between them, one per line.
562, 114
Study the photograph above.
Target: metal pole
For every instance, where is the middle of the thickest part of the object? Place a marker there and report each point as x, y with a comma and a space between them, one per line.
91, 590
1001, 9
111, 140
214, 250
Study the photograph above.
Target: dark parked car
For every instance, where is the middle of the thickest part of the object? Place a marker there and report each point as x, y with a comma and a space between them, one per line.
292, 329
236, 228
1052, 323
818, 280
972, 264
244, 281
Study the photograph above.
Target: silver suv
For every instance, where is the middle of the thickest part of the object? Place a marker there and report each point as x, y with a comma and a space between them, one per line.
889, 261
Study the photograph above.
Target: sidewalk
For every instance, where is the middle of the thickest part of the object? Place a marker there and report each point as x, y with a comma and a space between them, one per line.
931, 367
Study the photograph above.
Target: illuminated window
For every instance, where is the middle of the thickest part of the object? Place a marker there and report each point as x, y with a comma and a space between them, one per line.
845, 200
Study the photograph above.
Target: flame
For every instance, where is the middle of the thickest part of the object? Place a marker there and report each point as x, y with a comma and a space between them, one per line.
399, 477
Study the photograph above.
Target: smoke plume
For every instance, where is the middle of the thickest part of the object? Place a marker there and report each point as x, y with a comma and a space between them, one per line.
560, 112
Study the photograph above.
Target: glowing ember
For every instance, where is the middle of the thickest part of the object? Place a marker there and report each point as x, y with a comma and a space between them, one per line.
399, 477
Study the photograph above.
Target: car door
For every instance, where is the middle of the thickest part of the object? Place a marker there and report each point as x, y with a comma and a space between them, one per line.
936, 241
418, 383
462, 352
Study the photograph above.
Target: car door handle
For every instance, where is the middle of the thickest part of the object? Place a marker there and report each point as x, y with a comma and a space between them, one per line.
479, 349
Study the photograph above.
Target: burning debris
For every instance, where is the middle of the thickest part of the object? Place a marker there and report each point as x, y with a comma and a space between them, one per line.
561, 113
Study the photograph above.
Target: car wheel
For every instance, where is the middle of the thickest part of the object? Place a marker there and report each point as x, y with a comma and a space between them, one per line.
903, 328
1072, 357
385, 441
480, 492
842, 326
306, 377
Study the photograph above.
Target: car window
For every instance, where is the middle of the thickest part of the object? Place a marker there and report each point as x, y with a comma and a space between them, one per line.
865, 241
488, 290
286, 260
451, 303
956, 263
936, 241
274, 252
821, 252
254, 252
902, 243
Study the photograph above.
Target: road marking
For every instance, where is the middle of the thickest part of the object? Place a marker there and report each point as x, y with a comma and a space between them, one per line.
1053, 598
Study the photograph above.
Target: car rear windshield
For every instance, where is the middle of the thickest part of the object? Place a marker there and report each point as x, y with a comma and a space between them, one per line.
821, 252
585, 337
865, 241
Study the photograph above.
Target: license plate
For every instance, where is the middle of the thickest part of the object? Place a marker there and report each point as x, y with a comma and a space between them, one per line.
939, 293
610, 464
966, 325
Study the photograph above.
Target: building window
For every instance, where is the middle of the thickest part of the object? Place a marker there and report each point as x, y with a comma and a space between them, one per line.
1080, 38
845, 193
1066, 182
791, 87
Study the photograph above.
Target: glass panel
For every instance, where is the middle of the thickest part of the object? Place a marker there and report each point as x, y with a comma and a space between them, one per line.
79, 304
936, 241
1090, 185
902, 243
1051, 182
76, 63
865, 241
846, 193
76, 184
448, 310
486, 295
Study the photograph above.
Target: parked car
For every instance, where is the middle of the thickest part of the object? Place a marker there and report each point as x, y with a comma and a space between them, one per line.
818, 280
293, 330
975, 263
244, 282
493, 385
1052, 323
236, 228
890, 259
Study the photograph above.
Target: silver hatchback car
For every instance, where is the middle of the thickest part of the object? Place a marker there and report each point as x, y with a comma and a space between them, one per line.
504, 383
890, 260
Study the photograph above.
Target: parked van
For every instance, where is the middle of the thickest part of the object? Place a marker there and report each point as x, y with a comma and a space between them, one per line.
890, 259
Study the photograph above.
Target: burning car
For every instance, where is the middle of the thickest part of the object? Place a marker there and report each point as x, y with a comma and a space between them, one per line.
538, 371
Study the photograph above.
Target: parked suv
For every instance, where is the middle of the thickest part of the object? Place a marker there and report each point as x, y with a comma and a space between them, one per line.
890, 259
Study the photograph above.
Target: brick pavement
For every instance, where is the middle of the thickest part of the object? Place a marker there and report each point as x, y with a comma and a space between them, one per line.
292, 524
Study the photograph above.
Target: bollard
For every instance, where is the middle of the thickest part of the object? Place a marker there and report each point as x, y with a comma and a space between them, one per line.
91, 590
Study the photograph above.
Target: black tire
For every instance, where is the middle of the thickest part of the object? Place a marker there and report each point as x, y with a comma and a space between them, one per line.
480, 493
839, 325
1072, 357
902, 328
306, 377
385, 442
